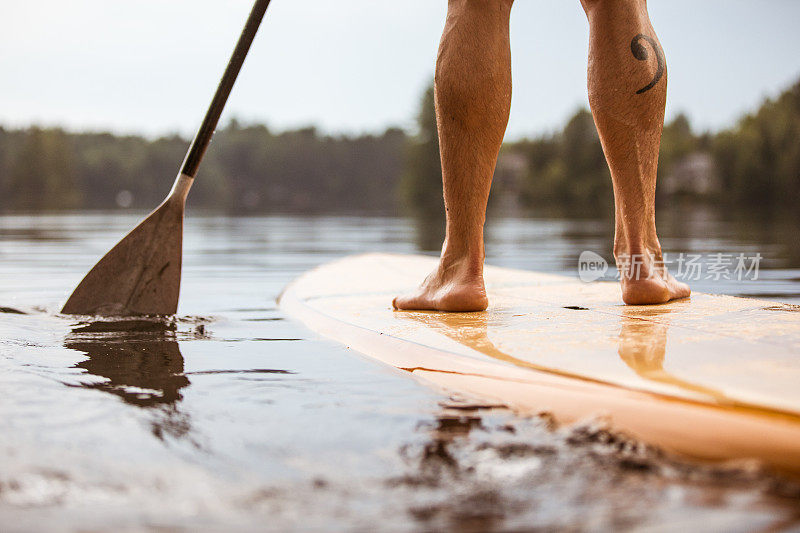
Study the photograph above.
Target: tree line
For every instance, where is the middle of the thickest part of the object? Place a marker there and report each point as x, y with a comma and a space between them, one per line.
252, 168
756, 162
247, 168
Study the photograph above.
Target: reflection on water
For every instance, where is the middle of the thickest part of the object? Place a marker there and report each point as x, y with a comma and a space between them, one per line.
141, 372
643, 347
478, 469
201, 424
642, 344
472, 331
437, 462
138, 361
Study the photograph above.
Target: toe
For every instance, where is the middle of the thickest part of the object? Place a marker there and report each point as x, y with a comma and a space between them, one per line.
400, 302
407, 303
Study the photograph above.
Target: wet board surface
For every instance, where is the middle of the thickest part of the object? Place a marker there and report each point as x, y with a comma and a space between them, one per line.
713, 377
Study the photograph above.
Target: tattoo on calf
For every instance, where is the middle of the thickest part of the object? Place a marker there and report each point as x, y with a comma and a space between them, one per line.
640, 52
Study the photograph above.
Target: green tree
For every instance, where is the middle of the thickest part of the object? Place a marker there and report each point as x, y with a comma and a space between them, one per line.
568, 168
759, 159
42, 175
677, 141
421, 182
5, 166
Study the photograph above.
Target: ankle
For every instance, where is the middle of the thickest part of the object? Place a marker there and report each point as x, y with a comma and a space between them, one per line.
468, 252
637, 260
644, 250
462, 261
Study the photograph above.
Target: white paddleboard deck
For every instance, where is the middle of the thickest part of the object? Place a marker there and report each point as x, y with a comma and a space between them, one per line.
697, 376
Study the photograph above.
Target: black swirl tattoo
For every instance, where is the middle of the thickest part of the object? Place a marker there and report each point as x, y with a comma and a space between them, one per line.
640, 52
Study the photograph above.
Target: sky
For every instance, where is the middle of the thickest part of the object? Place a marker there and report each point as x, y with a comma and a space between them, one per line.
352, 66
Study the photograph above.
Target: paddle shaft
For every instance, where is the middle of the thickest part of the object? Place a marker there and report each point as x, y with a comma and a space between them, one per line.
203, 138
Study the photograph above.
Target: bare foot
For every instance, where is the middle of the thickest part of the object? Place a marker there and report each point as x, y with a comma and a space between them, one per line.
455, 285
646, 282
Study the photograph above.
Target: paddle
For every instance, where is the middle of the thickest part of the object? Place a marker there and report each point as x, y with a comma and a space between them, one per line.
141, 275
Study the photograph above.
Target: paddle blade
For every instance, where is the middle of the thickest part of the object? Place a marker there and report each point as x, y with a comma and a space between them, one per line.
141, 275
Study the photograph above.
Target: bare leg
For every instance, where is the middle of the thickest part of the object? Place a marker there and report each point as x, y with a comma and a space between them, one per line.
473, 100
627, 94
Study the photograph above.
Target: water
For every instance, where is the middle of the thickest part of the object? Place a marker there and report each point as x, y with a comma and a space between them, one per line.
233, 417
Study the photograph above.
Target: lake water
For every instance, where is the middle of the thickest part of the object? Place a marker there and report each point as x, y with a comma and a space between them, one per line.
237, 418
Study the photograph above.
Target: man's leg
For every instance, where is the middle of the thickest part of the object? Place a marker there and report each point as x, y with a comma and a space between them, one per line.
473, 100
627, 94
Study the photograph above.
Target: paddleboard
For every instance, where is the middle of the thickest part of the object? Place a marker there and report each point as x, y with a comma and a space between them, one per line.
710, 377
